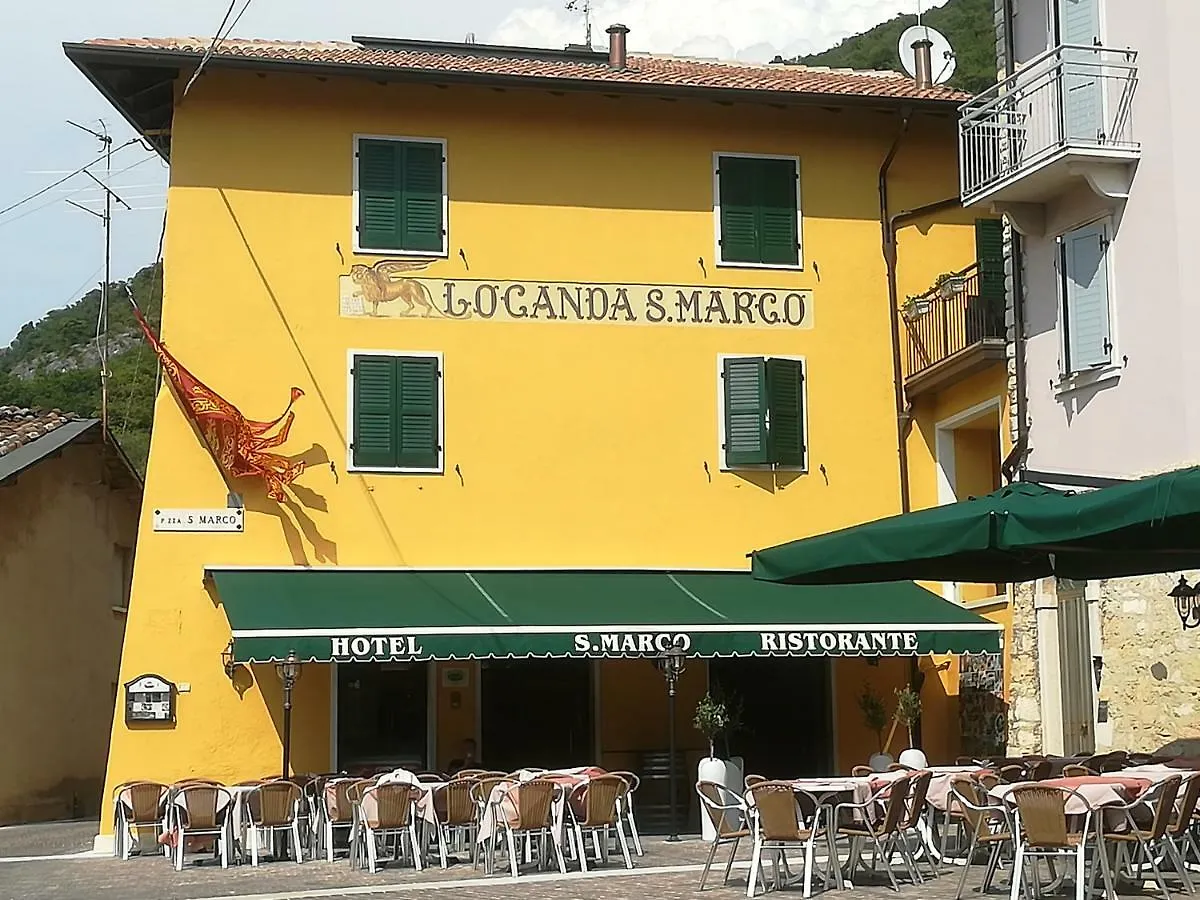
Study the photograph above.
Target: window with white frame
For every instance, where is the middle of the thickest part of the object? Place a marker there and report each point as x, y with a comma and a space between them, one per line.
396, 412
757, 210
400, 195
762, 418
1086, 314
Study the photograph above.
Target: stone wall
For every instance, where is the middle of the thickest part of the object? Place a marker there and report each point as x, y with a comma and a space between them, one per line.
1151, 674
1024, 702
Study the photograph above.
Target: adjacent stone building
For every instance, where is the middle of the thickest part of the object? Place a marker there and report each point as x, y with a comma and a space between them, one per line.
1083, 146
69, 504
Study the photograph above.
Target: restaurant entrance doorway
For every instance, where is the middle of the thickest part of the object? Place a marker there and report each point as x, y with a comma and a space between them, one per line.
382, 715
786, 727
536, 712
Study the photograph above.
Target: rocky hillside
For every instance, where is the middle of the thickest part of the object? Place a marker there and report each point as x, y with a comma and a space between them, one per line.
969, 25
55, 364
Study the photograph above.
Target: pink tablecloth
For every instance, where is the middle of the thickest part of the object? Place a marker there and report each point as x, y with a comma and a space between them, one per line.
568, 779
1096, 791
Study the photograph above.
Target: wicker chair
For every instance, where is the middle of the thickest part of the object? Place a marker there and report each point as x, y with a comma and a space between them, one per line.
1037, 770
865, 825
783, 817
862, 772
918, 794
528, 813
1077, 771
389, 809
338, 799
467, 773
139, 805
987, 824
203, 809
1041, 829
456, 814
1180, 833
481, 795
1012, 774
627, 815
275, 806
1151, 842
751, 780
595, 807
728, 813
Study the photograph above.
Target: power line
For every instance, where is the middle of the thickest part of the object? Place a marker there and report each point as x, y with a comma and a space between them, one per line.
222, 33
71, 193
50, 187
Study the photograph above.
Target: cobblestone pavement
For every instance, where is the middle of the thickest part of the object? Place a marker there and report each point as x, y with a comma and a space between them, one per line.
48, 838
666, 872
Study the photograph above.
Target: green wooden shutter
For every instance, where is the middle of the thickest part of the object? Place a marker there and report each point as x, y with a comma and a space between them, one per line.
375, 393
737, 189
745, 404
421, 190
785, 404
379, 194
417, 412
778, 242
1087, 302
989, 253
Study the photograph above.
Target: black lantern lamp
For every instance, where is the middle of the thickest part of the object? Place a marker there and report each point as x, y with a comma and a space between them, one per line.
671, 664
289, 673
1187, 602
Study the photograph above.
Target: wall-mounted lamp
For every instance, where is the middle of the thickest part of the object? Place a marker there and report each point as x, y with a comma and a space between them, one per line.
228, 662
1187, 602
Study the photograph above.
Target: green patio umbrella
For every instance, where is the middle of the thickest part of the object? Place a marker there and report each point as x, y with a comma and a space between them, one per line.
1018, 533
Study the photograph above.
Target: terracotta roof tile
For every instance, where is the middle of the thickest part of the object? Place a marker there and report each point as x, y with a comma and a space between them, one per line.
20, 425
644, 70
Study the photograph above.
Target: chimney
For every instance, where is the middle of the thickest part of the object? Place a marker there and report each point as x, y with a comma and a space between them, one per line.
923, 63
616, 46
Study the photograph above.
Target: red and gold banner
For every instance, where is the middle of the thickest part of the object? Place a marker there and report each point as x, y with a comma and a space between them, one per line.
239, 446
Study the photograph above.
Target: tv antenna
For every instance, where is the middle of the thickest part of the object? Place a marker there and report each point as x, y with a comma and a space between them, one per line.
941, 54
584, 6
105, 140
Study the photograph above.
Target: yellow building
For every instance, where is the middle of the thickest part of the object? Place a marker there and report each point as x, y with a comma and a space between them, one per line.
68, 525
576, 332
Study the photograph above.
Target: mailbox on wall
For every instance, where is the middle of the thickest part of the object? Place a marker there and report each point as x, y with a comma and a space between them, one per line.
149, 699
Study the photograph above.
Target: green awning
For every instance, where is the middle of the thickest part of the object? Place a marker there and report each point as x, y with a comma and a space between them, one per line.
1018, 533
403, 614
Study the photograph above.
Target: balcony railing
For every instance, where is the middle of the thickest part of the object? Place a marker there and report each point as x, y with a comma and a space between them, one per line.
1071, 98
951, 318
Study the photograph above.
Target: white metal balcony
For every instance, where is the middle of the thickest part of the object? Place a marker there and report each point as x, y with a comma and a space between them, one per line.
1064, 115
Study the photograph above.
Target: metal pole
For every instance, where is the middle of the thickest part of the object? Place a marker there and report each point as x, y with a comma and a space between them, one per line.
107, 277
287, 726
671, 677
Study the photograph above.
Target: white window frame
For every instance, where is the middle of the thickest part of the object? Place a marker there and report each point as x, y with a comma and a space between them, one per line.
421, 254
1083, 378
722, 465
716, 203
440, 468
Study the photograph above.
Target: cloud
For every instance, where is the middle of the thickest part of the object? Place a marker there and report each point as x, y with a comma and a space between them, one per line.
749, 30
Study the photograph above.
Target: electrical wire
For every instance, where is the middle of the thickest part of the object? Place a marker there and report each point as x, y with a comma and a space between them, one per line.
222, 33
55, 184
72, 193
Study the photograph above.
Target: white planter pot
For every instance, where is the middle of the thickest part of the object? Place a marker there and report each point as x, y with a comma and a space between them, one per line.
879, 762
718, 771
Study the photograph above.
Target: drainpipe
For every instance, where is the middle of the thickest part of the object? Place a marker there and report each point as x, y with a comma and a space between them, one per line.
1015, 461
888, 240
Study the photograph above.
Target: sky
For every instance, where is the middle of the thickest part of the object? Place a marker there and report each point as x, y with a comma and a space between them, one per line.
51, 252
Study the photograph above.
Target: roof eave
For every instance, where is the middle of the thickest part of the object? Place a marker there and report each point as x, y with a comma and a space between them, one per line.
82, 54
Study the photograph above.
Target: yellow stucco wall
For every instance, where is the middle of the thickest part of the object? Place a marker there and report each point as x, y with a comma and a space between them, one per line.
566, 444
65, 532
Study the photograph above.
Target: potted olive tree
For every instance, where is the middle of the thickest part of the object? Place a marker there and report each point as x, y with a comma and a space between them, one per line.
875, 717
712, 721
908, 711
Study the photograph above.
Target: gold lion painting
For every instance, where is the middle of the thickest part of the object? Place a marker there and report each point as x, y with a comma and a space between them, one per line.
387, 289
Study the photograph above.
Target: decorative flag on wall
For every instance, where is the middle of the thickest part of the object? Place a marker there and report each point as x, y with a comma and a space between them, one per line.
239, 445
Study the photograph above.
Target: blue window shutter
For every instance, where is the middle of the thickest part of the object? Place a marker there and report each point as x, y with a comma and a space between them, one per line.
1083, 112
1088, 339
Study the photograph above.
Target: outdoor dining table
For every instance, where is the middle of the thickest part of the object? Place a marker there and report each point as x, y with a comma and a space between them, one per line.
426, 812
568, 779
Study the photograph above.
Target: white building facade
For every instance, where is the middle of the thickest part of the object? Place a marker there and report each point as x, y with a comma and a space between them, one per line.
1086, 145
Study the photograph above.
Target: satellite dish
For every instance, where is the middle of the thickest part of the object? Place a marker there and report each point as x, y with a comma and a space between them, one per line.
941, 55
